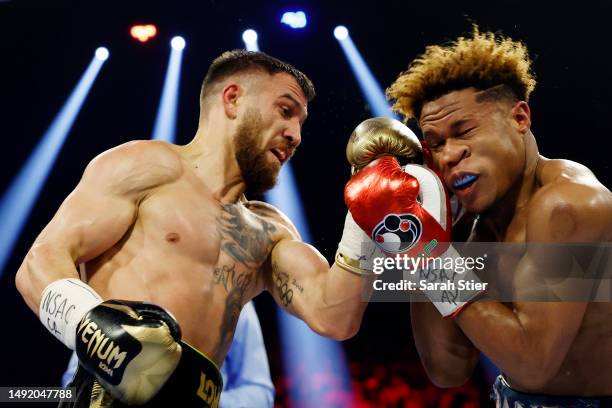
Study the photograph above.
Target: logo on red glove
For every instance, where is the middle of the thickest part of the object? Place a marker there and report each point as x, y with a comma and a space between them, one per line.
397, 232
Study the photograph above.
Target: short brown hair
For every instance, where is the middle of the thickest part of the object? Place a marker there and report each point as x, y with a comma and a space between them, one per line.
482, 61
232, 62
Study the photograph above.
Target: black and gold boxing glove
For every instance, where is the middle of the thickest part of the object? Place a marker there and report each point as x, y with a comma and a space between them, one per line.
132, 348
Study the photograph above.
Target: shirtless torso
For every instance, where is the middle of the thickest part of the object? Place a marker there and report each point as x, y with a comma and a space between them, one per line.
149, 229
542, 347
193, 255
584, 369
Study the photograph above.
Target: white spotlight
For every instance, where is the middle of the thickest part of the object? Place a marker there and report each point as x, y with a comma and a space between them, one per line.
249, 36
102, 53
341, 32
178, 43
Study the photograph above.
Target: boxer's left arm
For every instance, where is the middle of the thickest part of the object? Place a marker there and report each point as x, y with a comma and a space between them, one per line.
529, 342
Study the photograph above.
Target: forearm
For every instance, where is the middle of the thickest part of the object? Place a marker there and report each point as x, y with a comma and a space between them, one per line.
343, 299
446, 353
43, 264
522, 347
330, 300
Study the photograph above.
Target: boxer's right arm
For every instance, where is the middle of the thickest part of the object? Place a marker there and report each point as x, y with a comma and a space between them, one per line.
94, 216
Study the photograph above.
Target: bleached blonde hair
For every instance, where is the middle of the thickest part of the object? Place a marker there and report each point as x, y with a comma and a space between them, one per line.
482, 61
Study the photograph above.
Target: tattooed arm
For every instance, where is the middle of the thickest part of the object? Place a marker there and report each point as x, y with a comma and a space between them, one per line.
330, 300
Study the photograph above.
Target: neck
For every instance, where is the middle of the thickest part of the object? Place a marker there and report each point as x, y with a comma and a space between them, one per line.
211, 157
499, 215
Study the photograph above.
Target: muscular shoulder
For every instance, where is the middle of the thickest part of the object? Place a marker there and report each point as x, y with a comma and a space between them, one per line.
135, 166
269, 211
571, 206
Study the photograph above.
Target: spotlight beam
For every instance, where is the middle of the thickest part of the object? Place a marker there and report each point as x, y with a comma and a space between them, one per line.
18, 200
367, 83
165, 122
305, 353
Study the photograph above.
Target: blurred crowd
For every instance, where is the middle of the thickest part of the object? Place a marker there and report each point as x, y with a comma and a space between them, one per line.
378, 385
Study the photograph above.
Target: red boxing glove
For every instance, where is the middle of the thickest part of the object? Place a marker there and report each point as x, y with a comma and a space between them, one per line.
405, 210
396, 211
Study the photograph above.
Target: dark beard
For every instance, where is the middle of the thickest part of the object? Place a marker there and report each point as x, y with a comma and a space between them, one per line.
259, 175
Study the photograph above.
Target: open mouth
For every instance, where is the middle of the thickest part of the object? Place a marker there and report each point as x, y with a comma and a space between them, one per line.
464, 182
279, 154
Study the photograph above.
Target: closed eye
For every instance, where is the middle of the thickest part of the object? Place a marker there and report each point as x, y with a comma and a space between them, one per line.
465, 132
434, 144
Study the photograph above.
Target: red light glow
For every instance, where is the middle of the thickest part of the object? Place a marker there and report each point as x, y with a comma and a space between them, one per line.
143, 32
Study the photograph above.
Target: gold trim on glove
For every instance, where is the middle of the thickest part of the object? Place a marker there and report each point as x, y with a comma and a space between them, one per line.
351, 265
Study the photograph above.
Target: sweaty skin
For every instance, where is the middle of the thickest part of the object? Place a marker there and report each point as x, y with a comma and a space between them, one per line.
170, 225
555, 348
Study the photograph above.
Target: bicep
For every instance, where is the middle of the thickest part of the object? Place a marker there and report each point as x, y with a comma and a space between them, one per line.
295, 272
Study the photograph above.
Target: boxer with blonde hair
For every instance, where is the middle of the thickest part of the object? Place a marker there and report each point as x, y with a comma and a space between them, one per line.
471, 101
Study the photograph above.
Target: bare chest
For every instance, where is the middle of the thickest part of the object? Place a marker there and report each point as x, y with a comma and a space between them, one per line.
189, 222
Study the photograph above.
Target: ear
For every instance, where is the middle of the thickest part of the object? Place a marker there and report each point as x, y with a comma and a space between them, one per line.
521, 115
230, 94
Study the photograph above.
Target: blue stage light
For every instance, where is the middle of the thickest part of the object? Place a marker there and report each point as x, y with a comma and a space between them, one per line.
341, 32
294, 19
102, 53
370, 88
250, 40
178, 43
20, 196
165, 123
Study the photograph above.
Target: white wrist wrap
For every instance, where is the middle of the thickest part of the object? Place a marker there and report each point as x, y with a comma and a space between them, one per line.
63, 304
449, 305
356, 249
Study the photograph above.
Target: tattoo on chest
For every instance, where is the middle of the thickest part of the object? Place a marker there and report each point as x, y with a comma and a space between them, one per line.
244, 241
248, 245
236, 285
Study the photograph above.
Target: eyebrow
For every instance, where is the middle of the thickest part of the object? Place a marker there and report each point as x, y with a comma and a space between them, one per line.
295, 101
455, 125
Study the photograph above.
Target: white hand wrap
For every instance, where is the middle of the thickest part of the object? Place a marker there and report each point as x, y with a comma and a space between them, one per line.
63, 304
356, 250
449, 302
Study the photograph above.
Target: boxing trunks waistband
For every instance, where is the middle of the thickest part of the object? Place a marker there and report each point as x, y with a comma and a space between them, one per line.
506, 397
196, 383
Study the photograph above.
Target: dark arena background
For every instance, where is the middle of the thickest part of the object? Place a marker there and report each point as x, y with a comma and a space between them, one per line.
47, 46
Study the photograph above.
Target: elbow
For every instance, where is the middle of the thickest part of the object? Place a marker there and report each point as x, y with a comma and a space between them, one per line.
446, 380
23, 278
28, 282
336, 331
443, 376
448, 370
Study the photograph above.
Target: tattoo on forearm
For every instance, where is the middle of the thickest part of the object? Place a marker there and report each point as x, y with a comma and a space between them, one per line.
281, 283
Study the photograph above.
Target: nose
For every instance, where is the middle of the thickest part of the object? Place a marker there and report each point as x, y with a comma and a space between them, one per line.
293, 134
452, 153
